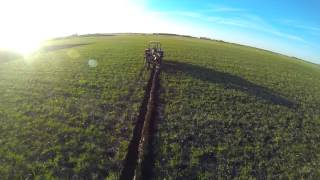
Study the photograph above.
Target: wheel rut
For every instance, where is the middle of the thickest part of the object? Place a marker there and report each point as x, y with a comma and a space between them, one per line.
139, 161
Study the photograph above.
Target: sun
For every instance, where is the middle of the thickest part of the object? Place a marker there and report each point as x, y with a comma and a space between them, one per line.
25, 46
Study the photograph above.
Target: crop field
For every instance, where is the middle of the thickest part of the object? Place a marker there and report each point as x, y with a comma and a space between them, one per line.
69, 110
230, 111
224, 111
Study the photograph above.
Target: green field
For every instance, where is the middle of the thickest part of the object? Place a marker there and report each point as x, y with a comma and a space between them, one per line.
59, 117
226, 111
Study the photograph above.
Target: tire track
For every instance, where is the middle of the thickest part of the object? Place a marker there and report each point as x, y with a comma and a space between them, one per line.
139, 159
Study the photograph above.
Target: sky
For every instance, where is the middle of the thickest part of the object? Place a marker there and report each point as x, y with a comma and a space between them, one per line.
290, 27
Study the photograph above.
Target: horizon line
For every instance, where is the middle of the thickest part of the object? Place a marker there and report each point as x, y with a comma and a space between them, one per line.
185, 35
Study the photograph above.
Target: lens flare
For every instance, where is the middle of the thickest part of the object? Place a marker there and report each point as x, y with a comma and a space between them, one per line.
92, 63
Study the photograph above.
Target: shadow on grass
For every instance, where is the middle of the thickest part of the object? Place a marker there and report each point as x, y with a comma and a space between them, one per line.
228, 80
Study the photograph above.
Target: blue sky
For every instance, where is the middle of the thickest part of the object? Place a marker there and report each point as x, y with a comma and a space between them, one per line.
291, 27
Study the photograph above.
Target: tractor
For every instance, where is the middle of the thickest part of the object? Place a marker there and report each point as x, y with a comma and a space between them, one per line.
153, 55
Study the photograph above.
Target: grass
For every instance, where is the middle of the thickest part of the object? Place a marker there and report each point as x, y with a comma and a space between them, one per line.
231, 111
227, 111
61, 118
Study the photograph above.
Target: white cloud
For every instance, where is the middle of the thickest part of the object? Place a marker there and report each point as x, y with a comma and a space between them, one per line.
243, 20
260, 24
240, 18
177, 13
294, 24
225, 9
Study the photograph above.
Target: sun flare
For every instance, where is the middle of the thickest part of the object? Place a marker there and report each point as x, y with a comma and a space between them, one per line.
22, 45
39, 20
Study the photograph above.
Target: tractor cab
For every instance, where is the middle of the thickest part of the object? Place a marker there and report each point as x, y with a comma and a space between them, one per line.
153, 54
155, 45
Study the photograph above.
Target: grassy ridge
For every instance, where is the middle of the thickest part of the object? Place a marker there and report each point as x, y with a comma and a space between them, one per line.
59, 117
233, 111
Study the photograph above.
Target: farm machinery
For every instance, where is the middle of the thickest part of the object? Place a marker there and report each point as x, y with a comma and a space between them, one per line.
153, 55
